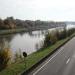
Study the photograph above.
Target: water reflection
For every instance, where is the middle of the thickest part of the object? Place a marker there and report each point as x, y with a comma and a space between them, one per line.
5, 40
27, 41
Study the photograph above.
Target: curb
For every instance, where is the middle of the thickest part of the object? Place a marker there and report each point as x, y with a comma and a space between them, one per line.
43, 59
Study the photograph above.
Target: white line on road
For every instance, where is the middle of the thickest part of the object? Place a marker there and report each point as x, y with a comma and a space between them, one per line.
48, 61
67, 61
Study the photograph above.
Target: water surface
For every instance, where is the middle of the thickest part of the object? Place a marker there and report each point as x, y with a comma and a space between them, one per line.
27, 41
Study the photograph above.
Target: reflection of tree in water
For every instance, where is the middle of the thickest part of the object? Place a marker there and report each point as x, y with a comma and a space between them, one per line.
5, 40
39, 45
43, 32
36, 33
30, 34
22, 33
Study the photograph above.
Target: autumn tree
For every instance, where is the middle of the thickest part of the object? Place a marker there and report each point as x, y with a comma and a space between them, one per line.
9, 23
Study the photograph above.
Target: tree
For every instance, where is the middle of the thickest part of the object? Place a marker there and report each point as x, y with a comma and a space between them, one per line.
1, 24
63, 34
9, 23
47, 41
53, 38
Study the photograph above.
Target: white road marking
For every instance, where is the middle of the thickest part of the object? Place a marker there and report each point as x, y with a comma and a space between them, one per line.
48, 61
67, 61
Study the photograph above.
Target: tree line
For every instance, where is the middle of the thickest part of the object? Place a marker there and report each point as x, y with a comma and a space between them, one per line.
11, 23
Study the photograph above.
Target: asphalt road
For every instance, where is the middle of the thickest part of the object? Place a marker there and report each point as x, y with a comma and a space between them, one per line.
61, 62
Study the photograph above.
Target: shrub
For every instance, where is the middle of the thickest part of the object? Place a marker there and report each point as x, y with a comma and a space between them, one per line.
5, 56
18, 56
63, 34
53, 38
50, 38
47, 41
70, 31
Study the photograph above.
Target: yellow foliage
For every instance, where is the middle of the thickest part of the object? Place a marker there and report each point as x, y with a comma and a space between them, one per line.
7, 52
5, 56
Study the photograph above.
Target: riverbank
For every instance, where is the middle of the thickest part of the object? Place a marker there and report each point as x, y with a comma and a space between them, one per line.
19, 30
10, 31
19, 67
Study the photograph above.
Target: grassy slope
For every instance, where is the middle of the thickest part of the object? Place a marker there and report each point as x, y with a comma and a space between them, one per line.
33, 58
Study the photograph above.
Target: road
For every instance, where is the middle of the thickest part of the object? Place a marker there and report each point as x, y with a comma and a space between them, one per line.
62, 62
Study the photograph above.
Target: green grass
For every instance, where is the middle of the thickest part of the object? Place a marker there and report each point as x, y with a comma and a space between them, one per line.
18, 67
9, 31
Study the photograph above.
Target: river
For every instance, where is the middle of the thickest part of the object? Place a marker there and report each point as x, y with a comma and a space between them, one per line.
26, 41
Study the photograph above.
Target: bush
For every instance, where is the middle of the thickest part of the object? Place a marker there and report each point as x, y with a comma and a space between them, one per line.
70, 31
53, 38
50, 38
5, 56
63, 34
18, 56
47, 41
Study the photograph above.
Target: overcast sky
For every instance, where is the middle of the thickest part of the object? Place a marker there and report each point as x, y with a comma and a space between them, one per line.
57, 10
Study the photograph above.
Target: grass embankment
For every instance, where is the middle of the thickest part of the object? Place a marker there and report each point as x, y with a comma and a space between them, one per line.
9, 31
17, 30
18, 67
